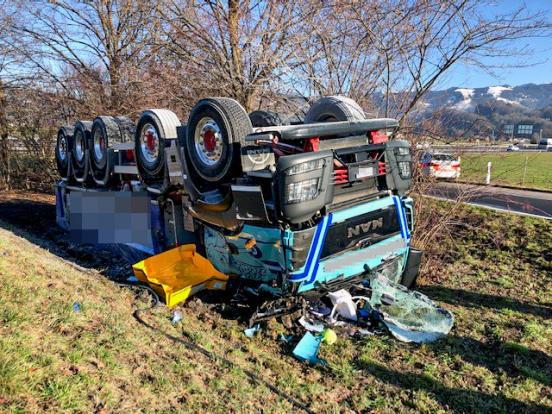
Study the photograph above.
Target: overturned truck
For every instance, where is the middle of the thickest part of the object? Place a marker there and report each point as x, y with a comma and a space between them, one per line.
298, 209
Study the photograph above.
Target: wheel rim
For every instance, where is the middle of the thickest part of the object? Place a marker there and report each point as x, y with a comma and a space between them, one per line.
99, 146
62, 149
79, 146
208, 141
149, 143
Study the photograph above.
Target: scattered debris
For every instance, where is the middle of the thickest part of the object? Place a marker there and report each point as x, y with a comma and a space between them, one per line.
383, 306
250, 332
311, 325
329, 336
410, 316
77, 307
307, 349
176, 316
343, 305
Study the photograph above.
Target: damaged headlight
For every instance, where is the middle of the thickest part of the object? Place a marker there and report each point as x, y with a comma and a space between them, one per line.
305, 167
302, 191
405, 169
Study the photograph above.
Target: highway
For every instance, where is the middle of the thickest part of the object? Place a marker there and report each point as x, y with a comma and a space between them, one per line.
525, 202
454, 149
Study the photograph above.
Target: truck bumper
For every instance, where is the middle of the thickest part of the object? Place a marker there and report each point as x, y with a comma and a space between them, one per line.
389, 255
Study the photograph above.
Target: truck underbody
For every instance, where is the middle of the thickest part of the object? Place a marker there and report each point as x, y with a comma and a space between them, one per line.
298, 209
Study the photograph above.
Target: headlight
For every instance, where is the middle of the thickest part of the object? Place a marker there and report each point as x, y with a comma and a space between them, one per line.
302, 191
305, 167
402, 151
405, 169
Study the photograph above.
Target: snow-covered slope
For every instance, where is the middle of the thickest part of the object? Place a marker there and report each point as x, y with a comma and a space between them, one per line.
528, 96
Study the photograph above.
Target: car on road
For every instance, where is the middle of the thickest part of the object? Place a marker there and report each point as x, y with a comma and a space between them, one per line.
440, 165
513, 147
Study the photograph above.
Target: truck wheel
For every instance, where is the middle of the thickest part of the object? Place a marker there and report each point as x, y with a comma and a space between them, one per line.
334, 109
80, 150
127, 128
261, 119
216, 129
155, 127
63, 149
107, 131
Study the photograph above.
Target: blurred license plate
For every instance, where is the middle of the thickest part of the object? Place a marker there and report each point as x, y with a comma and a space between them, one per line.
365, 172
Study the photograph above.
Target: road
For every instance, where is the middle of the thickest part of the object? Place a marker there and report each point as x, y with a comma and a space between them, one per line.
483, 148
533, 203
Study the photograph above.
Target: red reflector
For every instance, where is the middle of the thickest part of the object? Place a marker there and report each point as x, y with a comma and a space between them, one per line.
311, 144
381, 168
377, 137
129, 155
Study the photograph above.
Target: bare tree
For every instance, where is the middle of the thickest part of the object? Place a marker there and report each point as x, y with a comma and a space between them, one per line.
236, 48
428, 38
100, 42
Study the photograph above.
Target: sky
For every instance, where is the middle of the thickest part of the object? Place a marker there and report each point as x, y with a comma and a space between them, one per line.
539, 64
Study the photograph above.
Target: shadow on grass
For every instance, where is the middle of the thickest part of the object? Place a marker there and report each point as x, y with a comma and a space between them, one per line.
453, 399
36, 222
512, 358
474, 299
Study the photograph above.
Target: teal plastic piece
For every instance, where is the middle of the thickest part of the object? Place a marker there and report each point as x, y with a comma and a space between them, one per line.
307, 349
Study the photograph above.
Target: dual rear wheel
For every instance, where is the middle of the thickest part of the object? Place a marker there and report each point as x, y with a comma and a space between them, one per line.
216, 127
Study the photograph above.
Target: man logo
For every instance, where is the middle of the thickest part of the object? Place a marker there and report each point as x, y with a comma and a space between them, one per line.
364, 228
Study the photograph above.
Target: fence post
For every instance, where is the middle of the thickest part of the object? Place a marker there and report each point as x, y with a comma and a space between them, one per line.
488, 180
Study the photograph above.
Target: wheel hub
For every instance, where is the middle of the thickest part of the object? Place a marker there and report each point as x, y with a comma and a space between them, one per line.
79, 146
208, 141
99, 146
62, 148
150, 143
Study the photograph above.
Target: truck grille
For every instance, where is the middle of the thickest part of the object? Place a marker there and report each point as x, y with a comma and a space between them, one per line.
361, 231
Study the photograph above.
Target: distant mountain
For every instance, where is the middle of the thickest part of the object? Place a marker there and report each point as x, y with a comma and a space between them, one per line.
529, 96
466, 112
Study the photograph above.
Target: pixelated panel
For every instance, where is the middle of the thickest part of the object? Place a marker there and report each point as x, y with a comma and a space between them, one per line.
110, 217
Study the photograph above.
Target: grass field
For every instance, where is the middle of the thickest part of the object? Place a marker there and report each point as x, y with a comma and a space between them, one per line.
498, 358
509, 168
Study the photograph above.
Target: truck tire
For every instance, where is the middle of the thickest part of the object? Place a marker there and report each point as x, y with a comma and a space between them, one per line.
127, 128
334, 109
217, 127
261, 119
63, 150
107, 131
80, 155
154, 129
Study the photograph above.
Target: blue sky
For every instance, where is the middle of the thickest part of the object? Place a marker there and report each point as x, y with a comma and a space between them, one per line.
539, 63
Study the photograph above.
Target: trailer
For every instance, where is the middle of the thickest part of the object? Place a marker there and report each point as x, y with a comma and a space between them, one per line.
299, 209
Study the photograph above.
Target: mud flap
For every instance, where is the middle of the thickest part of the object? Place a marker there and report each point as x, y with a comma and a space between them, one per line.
412, 268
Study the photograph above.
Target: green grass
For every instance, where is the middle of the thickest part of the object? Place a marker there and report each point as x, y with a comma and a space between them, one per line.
509, 168
495, 275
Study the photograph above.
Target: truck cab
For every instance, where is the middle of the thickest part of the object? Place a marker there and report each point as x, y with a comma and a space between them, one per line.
297, 209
